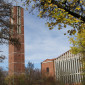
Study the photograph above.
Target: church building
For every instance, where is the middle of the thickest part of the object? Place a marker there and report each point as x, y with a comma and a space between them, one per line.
66, 68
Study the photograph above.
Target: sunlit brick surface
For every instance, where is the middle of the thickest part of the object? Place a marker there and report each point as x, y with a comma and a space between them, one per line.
49, 63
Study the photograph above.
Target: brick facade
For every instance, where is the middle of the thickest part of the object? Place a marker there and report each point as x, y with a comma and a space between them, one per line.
48, 68
16, 56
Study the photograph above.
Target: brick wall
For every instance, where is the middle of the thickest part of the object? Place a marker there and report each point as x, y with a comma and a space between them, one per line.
48, 64
16, 56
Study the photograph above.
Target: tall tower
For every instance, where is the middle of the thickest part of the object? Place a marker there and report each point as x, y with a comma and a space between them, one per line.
16, 56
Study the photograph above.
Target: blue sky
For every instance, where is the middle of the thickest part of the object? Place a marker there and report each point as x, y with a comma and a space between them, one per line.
40, 42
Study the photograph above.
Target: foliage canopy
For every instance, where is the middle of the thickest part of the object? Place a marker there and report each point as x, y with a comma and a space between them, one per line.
61, 13
78, 43
79, 47
6, 26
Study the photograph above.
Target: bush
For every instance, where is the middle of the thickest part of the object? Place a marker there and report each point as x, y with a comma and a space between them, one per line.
2, 77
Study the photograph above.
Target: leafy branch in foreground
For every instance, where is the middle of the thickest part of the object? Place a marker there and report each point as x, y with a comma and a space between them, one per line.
5, 25
60, 12
78, 43
79, 47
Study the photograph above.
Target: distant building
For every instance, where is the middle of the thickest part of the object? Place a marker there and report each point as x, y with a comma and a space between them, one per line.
16, 56
65, 68
48, 67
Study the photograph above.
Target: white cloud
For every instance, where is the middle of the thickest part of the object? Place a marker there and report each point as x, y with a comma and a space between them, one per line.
40, 42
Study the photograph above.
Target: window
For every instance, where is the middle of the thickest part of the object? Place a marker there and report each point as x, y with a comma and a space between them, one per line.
18, 20
12, 22
47, 70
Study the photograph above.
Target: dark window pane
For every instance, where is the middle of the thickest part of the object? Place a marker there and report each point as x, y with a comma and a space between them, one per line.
47, 69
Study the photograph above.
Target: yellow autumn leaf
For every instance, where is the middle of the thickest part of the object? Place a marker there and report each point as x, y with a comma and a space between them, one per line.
78, 8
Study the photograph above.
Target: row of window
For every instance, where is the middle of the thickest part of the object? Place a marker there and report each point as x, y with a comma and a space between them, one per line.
68, 55
68, 69
70, 78
18, 20
72, 66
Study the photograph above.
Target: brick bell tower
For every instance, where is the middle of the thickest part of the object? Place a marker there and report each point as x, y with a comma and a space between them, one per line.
16, 56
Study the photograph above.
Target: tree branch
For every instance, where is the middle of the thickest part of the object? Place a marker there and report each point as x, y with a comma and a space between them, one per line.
69, 11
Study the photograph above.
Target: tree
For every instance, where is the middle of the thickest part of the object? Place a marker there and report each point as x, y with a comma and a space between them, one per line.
30, 72
2, 76
60, 12
30, 68
78, 42
6, 26
32, 76
4, 23
79, 47
16, 80
2, 57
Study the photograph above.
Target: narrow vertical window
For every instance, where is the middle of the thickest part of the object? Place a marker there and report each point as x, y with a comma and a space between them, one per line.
12, 22
47, 70
18, 20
